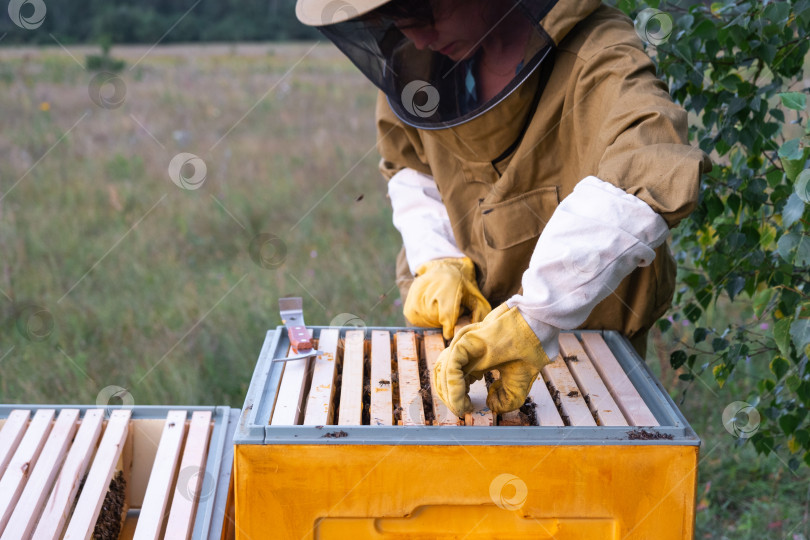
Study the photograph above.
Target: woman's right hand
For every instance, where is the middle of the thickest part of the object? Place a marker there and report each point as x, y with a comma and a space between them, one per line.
439, 291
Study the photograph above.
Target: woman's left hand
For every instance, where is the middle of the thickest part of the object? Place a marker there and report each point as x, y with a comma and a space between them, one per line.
502, 341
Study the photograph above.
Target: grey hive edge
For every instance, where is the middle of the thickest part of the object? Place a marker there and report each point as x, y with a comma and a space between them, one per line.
254, 428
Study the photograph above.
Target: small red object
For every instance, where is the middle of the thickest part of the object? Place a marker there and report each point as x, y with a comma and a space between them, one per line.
291, 310
299, 339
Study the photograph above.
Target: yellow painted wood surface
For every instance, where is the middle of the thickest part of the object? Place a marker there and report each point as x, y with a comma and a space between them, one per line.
633, 492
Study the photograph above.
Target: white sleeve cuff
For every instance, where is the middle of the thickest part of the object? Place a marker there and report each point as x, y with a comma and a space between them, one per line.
596, 237
421, 218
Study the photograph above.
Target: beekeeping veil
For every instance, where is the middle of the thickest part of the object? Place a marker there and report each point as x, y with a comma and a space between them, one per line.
426, 89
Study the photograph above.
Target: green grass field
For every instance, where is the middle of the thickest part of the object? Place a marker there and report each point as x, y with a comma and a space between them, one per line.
112, 275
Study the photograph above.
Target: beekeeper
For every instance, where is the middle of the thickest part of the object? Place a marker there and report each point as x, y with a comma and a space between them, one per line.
535, 163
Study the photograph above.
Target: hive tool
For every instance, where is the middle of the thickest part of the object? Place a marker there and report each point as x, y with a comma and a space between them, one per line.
292, 315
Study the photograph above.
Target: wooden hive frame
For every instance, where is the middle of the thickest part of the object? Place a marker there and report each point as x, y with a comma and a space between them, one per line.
157, 472
384, 378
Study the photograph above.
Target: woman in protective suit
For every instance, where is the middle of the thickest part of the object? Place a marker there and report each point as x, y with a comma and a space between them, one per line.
535, 163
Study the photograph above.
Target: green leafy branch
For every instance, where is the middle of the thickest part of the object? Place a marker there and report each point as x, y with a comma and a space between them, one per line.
737, 67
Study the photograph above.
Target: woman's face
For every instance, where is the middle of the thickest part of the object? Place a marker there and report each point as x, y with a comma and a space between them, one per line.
458, 30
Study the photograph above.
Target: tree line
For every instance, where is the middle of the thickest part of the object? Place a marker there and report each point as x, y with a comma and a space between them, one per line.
147, 21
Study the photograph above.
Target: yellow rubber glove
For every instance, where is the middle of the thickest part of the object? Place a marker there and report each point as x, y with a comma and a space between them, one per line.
502, 341
441, 288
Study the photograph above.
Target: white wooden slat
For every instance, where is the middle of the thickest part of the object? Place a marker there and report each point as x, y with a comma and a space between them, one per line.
382, 407
627, 397
319, 409
291, 391
190, 478
410, 400
544, 408
55, 514
11, 434
587, 378
22, 463
351, 385
571, 401
29, 506
150, 519
98, 479
434, 345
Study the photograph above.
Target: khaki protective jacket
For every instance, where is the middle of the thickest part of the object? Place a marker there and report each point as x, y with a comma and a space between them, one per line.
602, 112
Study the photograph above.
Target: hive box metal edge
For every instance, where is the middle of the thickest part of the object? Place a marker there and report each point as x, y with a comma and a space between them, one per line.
209, 520
440, 481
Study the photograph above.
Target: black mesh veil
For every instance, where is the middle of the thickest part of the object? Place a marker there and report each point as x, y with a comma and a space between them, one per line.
425, 88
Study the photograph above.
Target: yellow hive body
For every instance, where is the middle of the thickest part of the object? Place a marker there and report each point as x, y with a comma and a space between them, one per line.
409, 492
625, 477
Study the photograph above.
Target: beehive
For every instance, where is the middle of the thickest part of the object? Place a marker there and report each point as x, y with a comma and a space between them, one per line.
142, 472
355, 444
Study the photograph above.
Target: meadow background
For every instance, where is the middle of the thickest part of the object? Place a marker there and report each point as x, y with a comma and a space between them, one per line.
112, 275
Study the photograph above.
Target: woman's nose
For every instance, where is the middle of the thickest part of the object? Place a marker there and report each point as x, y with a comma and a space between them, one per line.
420, 36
